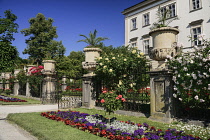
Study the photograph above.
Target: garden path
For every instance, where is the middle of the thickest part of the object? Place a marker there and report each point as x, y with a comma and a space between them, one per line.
10, 131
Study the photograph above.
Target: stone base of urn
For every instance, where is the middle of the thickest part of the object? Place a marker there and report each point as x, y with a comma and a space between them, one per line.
161, 103
88, 94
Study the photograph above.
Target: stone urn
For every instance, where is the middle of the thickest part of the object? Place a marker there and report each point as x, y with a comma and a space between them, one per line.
163, 43
90, 58
49, 66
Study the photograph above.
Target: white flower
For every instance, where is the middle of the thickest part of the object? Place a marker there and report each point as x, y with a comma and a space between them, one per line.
180, 99
125, 59
100, 64
175, 96
196, 97
100, 58
105, 67
201, 37
201, 100
106, 58
113, 57
204, 60
110, 70
185, 68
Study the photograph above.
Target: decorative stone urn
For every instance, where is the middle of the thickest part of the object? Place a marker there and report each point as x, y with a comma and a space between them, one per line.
88, 94
163, 40
90, 58
49, 66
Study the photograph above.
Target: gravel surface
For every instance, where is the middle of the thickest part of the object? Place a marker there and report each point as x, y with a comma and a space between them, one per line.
10, 131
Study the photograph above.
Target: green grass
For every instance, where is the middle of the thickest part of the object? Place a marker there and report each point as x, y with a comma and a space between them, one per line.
29, 101
45, 129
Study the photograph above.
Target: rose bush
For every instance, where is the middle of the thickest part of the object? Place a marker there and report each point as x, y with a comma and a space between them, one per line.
191, 75
111, 101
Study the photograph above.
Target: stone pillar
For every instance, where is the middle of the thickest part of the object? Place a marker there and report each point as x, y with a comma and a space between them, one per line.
64, 84
7, 76
164, 43
2, 80
48, 87
28, 93
16, 83
88, 92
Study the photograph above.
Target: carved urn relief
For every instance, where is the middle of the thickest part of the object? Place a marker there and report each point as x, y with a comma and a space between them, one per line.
164, 43
90, 58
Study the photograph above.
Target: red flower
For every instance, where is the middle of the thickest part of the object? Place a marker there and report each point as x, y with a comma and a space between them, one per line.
123, 99
119, 96
102, 101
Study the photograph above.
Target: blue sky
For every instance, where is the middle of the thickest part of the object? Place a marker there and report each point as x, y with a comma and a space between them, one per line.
72, 17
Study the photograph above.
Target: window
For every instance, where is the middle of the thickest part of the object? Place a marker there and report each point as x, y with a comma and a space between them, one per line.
195, 4
146, 19
146, 46
170, 10
133, 24
195, 32
133, 42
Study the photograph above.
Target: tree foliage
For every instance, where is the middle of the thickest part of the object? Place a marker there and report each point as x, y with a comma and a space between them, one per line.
92, 40
8, 53
40, 42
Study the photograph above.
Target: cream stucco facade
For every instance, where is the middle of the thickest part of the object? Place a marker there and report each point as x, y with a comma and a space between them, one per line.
194, 19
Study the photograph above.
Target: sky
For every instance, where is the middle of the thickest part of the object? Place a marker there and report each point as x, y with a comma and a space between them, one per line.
72, 18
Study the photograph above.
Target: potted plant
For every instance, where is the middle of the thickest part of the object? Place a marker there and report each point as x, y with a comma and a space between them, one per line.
92, 50
163, 36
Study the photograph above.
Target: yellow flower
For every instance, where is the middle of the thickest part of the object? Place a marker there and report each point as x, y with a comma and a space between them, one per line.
138, 56
134, 51
113, 57
106, 58
99, 58
105, 67
120, 82
124, 75
141, 53
125, 59
100, 64
110, 70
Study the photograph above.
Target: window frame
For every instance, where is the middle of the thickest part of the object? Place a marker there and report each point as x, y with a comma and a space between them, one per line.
146, 21
132, 24
192, 6
147, 46
196, 42
167, 7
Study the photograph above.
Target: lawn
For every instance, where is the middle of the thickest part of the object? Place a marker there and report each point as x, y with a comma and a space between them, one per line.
29, 101
45, 129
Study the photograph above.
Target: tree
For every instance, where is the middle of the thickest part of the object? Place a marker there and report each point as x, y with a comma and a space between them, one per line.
8, 53
92, 40
40, 43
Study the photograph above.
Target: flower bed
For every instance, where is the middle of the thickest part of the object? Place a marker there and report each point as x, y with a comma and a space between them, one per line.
113, 129
10, 99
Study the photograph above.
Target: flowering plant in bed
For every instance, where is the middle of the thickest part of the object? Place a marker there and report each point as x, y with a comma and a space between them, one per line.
115, 130
111, 101
10, 99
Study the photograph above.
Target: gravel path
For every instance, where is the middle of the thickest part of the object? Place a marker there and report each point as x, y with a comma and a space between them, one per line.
13, 132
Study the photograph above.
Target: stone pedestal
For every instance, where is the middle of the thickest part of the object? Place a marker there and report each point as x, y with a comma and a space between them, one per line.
28, 93
48, 86
16, 83
161, 96
64, 84
88, 94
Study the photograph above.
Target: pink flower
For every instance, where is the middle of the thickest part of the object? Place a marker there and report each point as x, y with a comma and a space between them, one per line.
123, 99
104, 91
41, 67
102, 100
32, 68
119, 96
